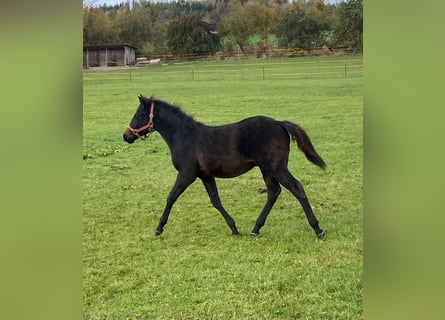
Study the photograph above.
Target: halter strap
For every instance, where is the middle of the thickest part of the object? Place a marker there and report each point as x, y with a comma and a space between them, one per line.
149, 126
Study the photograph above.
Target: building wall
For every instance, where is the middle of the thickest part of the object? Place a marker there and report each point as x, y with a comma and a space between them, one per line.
113, 56
130, 56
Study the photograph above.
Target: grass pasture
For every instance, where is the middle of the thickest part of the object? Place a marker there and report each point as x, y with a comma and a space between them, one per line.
196, 269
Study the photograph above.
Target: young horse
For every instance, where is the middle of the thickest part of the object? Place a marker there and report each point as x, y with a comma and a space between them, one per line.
227, 151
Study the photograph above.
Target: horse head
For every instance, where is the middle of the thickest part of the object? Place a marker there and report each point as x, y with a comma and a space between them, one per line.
142, 122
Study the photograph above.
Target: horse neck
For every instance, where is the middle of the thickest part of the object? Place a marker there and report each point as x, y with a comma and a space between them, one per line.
173, 125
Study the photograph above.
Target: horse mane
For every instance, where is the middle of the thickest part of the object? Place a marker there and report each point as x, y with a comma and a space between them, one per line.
177, 114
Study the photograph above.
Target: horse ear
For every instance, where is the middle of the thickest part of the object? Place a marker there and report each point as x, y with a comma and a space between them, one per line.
141, 98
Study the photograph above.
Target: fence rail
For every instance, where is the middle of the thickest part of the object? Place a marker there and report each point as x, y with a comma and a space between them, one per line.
253, 53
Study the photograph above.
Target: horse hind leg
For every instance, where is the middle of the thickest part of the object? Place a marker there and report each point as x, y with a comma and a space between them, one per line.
296, 188
273, 191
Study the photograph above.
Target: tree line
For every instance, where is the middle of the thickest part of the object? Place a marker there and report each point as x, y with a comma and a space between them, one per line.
208, 26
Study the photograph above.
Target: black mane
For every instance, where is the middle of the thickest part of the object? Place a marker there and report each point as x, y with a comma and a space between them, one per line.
175, 114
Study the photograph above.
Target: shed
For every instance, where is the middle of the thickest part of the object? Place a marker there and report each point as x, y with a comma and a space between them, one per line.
108, 55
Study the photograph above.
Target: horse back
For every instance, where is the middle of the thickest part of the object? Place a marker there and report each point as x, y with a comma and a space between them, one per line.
230, 150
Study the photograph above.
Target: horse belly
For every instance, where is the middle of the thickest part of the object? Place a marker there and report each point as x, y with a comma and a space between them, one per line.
225, 167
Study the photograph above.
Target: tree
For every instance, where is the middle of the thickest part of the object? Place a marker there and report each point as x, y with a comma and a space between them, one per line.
198, 27
247, 19
238, 26
299, 28
265, 18
96, 26
191, 35
348, 28
137, 26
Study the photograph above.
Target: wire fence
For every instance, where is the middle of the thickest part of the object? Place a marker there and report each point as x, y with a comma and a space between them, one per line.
348, 66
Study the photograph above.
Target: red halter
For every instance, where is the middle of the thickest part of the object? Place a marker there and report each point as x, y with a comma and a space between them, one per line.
149, 125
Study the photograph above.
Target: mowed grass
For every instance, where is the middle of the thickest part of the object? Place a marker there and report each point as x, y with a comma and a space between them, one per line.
196, 269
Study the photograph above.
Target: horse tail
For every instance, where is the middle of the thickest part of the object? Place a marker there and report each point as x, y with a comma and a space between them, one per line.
304, 143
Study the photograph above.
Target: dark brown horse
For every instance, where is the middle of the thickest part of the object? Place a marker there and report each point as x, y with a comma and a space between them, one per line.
227, 151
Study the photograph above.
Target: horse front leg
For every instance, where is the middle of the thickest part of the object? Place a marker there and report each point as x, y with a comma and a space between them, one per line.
182, 182
212, 190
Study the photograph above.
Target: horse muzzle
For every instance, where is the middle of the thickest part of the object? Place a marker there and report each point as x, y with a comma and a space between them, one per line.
129, 136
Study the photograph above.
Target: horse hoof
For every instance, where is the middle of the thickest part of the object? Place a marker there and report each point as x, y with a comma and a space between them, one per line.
321, 235
254, 234
158, 233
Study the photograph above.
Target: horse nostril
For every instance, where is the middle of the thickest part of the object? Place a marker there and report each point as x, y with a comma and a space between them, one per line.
127, 138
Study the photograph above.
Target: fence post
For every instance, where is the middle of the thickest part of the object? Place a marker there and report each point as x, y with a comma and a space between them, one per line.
193, 74
345, 68
263, 72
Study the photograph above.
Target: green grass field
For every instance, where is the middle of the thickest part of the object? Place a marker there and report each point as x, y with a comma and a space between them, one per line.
196, 269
